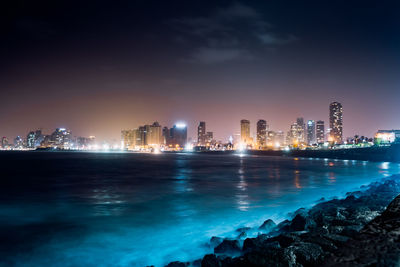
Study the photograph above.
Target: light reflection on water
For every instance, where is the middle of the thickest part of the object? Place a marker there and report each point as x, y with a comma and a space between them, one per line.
150, 209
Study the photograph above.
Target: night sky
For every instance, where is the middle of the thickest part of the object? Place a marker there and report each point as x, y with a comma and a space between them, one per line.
98, 67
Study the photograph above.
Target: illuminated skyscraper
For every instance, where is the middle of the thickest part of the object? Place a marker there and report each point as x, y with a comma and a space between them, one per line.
301, 129
61, 138
311, 132
261, 133
279, 138
153, 135
4, 142
30, 140
336, 122
245, 132
128, 139
178, 135
209, 138
320, 132
201, 134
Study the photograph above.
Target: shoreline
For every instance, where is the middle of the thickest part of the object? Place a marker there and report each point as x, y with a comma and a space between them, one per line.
374, 154
319, 235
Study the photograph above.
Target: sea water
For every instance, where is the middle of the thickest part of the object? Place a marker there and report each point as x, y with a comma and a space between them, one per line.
129, 209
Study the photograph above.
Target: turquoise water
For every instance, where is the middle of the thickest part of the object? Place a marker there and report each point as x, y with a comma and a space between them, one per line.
120, 209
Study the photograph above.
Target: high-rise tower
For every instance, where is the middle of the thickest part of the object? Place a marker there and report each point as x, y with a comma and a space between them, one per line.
336, 122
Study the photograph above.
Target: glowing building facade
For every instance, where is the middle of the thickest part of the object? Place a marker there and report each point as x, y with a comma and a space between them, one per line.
245, 132
320, 132
311, 132
262, 129
201, 134
336, 122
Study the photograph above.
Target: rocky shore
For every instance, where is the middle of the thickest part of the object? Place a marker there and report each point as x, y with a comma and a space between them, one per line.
362, 229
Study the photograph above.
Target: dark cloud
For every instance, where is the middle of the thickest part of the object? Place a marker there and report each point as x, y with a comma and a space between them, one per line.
235, 32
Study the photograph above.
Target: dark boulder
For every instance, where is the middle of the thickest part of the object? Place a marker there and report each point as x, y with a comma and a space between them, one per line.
285, 239
268, 225
210, 260
307, 254
301, 223
284, 226
215, 241
177, 264
243, 229
255, 243
228, 247
270, 257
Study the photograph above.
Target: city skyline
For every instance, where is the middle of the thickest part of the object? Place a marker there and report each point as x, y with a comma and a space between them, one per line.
214, 62
299, 131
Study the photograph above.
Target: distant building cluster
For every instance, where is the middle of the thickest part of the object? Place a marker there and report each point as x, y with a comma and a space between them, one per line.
302, 134
61, 138
154, 137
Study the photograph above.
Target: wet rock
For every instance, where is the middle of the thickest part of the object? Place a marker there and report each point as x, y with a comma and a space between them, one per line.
377, 244
269, 257
215, 241
284, 226
177, 264
228, 247
243, 229
301, 223
337, 239
255, 243
307, 254
210, 260
196, 263
325, 244
285, 239
268, 225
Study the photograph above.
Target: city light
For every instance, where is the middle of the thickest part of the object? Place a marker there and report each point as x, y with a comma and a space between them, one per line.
180, 125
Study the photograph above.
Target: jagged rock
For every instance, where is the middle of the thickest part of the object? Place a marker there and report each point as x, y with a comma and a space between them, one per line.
269, 257
210, 260
325, 244
377, 244
284, 226
301, 223
243, 229
177, 264
307, 254
228, 247
268, 225
285, 239
255, 243
196, 263
215, 241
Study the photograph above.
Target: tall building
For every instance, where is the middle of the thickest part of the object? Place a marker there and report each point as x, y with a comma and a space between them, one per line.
201, 134
320, 132
301, 129
292, 137
261, 133
18, 142
209, 138
279, 138
30, 140
271, 138
177, 136
128, 139
4, 142
336, 122
38, 138
245, 132
153, 135
311, 132
61, 138
142, 137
